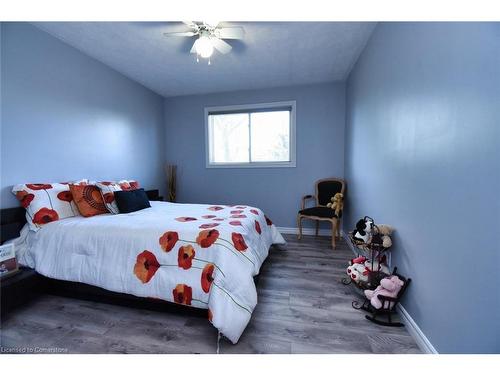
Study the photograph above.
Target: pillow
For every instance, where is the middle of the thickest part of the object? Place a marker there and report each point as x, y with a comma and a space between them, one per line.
88, 199
83, 181
108, 189
45, 203
131, 200
129, 184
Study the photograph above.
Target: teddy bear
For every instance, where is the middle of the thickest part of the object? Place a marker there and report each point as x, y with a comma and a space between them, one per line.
381, 235
337, 203
389, 287
364, 229
384, 229
358, 273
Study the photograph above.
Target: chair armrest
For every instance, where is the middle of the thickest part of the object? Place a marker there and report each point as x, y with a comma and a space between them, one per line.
304, 198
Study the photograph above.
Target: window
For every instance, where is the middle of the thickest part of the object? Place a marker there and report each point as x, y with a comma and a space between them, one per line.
260, 135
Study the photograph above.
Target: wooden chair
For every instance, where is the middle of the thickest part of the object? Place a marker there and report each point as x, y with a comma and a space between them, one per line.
325, 189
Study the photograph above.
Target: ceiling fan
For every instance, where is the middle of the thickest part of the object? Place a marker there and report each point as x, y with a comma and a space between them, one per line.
210, 36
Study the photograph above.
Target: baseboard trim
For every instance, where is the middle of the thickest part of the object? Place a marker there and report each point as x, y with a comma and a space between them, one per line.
349, 243
305, 231
411, 326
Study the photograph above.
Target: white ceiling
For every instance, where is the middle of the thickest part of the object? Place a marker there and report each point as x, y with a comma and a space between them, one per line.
272, 54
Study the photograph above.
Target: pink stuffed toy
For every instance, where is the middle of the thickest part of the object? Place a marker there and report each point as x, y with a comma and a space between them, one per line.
389, 287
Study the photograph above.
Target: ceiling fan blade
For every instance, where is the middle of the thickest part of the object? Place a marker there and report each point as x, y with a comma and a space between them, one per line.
212, 23
230, 32
190, 24
186, 33
193, 48
220, 45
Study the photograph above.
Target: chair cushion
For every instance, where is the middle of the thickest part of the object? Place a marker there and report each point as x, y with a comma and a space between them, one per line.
327, 189
325, 212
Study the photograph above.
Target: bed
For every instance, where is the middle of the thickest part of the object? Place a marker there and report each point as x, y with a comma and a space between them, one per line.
203, 256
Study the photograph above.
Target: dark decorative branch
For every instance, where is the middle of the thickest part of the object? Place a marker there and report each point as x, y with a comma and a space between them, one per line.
171, 181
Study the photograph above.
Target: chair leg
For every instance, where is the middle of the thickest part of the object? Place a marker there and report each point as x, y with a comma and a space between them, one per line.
333, 235
299, 225
317, 227
337, 229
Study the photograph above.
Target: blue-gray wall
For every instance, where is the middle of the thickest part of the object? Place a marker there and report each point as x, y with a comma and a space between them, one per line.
422, 154
320, 150
67, 116
422, 151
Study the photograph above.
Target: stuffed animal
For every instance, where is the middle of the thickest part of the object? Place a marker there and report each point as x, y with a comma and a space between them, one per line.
363, 231
337, 203
376, 266
381, 235
381, 240
384, 229
361, 260
386, 241
358, 273
389, 287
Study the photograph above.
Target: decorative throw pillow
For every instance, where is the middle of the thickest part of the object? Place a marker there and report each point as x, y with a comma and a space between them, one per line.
45, 203
108, 192
131, 200
88, 199
129, 184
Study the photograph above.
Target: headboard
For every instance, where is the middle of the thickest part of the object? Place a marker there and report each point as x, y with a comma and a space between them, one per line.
12, 221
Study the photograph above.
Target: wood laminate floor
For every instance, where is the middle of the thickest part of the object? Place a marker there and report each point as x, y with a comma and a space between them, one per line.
303, 308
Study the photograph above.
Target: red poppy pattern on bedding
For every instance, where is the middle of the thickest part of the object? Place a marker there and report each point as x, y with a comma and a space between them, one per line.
25, 198
207, 277
185, 257
207, 240
146, 266
168, 240
207, 237
153, 255
65, 196
45, 215
238, 242
183, 294
46, 202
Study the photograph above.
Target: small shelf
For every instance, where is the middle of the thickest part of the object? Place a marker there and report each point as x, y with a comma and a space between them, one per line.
372, 252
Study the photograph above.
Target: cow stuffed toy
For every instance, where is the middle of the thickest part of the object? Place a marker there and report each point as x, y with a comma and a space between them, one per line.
364, 229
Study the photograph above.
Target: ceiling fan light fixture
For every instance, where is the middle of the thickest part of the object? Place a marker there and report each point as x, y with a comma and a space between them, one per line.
204, 47
210, 36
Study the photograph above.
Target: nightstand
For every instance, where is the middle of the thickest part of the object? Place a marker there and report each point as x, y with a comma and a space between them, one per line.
18, 289
154, 195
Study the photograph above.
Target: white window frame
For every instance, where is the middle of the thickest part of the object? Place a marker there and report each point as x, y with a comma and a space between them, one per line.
245, 108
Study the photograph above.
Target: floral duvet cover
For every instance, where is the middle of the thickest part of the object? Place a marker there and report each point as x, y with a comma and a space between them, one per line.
198, 255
